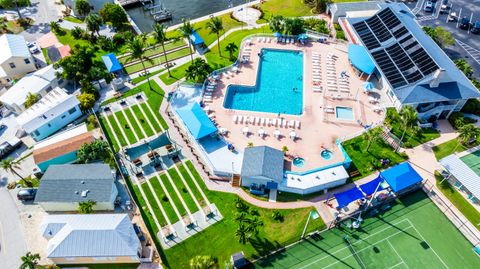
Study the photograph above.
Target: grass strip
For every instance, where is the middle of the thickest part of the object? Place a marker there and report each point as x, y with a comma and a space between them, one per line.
175, 199
135, 126
192, 185
167, 206
153, 203
143, 122
187, 198
116, 129
151, 117
126, 128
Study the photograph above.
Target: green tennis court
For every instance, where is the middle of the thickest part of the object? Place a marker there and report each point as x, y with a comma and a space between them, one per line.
413, 233
473, 161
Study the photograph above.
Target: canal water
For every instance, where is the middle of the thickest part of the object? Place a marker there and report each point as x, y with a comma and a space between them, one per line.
189, 9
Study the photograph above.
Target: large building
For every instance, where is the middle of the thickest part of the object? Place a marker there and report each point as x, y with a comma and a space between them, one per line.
51, 113
15, 58
409, 66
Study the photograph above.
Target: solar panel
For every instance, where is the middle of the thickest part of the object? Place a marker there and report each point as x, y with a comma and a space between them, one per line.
366, 35
379, 28
389, 18
424, 61
389, 69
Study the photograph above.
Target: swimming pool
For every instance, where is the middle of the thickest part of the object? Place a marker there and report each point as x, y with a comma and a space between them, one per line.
279, 85
344, 113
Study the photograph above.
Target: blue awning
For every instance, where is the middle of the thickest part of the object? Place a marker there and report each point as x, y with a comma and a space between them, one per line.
196, 39
401, 176
359, 58
348, 196
196, 121
272, 185
370, 187
111, 62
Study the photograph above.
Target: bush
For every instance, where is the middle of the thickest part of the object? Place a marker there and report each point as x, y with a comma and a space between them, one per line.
458, 117
105, 43
92, 121
77, 32
472, 107
317, 25
340, 33
118, 39
277, 216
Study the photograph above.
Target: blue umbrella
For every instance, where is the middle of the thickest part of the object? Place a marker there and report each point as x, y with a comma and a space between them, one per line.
277, 34
368, 86
302, 36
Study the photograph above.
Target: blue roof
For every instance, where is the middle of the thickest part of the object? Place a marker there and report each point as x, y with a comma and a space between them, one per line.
444, 92
360, 58
196, 39
111, 62
348, 196
196, 121
401, 176
370, 187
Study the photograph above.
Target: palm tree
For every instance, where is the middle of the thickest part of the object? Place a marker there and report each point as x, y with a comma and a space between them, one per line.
463, 65
216, 26
372, 135
468, 132
93, 22
55, 26
409, 117
253, 224
285, 150
203, 262
10, 165
198, 70
86, 207
29, 261
241, 206
160, 36
231, 48
241, 233
276, 24
186, 30
136, 47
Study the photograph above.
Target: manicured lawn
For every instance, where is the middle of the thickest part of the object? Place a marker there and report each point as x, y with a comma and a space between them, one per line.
368, 162
187, 198
177, 74
153, 203
151, 117
154, 50
14, 28
157, 61
204, 32
286, 8
143, 122
141, 203
73, 19
166, 204
135, 126
192, 186
448, 148
101, 266
126, 127
459, 201
143, 77
173, 195
116, 129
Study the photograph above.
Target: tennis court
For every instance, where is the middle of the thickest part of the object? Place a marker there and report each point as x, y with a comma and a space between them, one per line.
473, 161
413, 233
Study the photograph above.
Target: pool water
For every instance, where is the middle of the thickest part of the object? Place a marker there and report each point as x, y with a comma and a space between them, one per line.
344, 113
279, 85
298, 162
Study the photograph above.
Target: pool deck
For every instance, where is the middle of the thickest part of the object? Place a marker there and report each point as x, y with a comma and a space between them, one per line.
318, 129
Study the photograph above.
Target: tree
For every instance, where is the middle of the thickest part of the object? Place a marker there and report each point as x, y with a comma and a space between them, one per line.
86, 207
136, 47
204, 262
443, 37
82, 7
242, 234
198, 70
467, 132
30, 260
14, 4
55, 26
97, 150
87, 101
318, 6
429, 31
465, 67
93, 22
241, 206
276, 24
253, 224
294, 26
160, 36
10, 165
32, 98
216, 27
409, 117
186, 30
372, 135
3, 25
231, 48
114, 14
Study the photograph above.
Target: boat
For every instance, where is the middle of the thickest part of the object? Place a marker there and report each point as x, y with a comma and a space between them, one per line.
162, 15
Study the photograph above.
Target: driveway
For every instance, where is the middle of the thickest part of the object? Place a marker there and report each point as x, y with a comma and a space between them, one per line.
43, 12
12, 242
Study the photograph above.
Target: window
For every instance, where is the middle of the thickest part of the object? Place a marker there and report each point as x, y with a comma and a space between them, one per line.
12, 65
73, 110
26, 60
63, 116
49, 125
36, 133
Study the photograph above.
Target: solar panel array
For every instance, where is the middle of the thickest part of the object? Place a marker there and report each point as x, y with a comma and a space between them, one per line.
398, 54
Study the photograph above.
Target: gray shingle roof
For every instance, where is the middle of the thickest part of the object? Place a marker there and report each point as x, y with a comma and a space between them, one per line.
263, 161
65, 183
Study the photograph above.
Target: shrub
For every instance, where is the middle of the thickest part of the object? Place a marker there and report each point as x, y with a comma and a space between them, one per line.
472, 107
77, 32
340, 33
458, 118
92, 121
277, 216
118, 39
105, 43
317, 25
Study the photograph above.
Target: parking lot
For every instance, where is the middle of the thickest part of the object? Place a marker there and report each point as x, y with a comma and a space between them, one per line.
467, 44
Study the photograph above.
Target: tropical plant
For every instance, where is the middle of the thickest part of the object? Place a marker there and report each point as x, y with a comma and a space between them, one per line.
253, 224
82, 7
55, 26
136, 47
250, 144
3, 25
160, 36
32, 98
186, 30
14, 4
467, 133
231, 48
372, 136
216, 27
276, 24
92, 122
10, 165
242, 234
318, 6
285, 150
198, 70
97, 150
409, 118
465, 67
87, 101
86, 207
114, 14
241, 206
203, 262
93, 22
293, 26
443, 37
30, 260
77, 32
277, 216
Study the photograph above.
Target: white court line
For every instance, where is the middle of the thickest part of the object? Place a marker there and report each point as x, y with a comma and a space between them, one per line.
363, 239
423, 238
396, 252
396, 265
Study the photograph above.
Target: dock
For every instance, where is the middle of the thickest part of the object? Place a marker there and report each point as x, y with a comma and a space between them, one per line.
133, 3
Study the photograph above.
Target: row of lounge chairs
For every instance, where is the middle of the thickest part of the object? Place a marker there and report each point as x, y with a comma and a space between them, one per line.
316, 72
209, 90
246, 55
331, 73
282, 123
286, 40
264, 39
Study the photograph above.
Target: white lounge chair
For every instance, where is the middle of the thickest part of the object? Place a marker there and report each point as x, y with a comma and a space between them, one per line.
273, 122
317, 88
291, 124
262, 121
297, 124
257, 121
284, 123
235, 119
240, 119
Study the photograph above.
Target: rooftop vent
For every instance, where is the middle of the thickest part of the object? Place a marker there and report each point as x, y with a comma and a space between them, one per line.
83, 181
76, 192
84, 193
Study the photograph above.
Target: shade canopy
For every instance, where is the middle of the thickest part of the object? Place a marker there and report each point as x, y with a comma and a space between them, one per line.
401, 176
368, 86
196, 39
277, 34
348, 196
111, 62
359, 58
369, 188
302, 36
196, 121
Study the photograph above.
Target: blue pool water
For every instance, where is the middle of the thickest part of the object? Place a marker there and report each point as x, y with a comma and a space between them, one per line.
344, 113
279, 85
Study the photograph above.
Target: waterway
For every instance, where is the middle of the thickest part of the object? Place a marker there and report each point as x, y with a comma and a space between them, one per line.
188, 9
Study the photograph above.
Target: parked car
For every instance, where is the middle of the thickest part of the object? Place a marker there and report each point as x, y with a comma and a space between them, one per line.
32, 47
475, 28
26, 194
428, 6
3, 127
465, 23
444, 8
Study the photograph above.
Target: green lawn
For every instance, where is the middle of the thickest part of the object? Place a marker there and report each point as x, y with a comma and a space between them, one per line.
187, 198
368, 162
286, 8
203, 31
448, 148
143, 77
100, 266
146, 213
73, 19
173, 195
151, 117
127, 129
14, 28
135, 125
154, 50
166, 203
116, 129
157, 61
143, 122
153, 203
192, 186
459, 201
177, 74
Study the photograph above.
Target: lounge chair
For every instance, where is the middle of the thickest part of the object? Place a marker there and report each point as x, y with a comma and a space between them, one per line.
262, 121
297, 124
291, 124
235, 119
284, 123
240, 119
317, 88
329, 110
257, 121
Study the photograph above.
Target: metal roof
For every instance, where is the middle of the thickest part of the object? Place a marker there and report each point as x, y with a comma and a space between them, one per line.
13, 46
111, 62
94, 235
66, 183
196, 120
263, 161
466, 176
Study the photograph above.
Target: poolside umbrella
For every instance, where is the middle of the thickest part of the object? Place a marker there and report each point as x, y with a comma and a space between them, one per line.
302, 36
245, 130
277, 34
276, 133
293, 135
368, 86
215, 75
261, 132
235, 69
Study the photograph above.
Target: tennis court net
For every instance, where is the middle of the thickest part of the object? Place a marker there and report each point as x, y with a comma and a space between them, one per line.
354, 253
